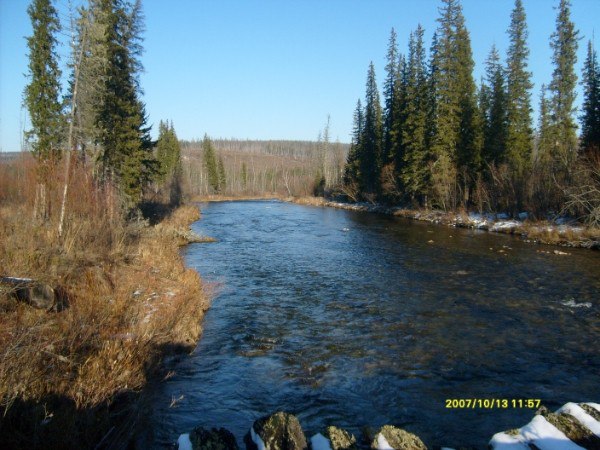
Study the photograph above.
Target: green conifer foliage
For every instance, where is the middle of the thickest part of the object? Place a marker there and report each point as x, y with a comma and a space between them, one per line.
519, 140
43, 91
210, 162
370, 156
562, 88
416, 157
457, 137
389, 93
495, 127
590, 117
352, 168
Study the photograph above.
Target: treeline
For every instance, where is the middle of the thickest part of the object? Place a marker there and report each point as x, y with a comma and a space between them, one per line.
253, 168
441, 140
100, 123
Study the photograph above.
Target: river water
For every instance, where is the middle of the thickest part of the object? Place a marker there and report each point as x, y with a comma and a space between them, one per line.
358, 320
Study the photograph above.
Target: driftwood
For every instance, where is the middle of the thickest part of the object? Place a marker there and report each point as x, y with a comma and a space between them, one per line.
35, 293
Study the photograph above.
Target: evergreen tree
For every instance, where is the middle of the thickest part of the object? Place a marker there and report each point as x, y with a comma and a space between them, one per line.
42, 97
352, 169
168, 150
544, 135
126, 148
415, 169
457, 138
222, 177
389, 93
244, 176
371, 140
519, 140
400, 110
210, 162
562, 88
495, 127
590, 117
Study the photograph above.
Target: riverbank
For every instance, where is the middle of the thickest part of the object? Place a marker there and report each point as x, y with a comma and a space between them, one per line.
78, 378
538, 232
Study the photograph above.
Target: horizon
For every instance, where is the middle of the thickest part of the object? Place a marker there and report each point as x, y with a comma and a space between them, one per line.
276, 70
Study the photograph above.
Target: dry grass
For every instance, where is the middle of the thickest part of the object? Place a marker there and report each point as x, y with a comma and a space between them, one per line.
132, 301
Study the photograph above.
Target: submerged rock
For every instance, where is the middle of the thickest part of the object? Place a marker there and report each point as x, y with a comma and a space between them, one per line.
279, 431
213, 439
392, 438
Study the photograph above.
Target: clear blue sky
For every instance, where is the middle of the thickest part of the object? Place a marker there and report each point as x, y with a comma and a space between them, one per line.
274, 69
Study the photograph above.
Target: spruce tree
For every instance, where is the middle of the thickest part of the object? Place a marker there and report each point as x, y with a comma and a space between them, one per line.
519, 140
210, 162
562, 88
400, 109
495, 128
590, 117
222, 176
415, 169
42, 97
389, 93
371, 140
126, 148
352, 169
457, 138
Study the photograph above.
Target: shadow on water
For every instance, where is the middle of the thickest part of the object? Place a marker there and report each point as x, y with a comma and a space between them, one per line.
358, 319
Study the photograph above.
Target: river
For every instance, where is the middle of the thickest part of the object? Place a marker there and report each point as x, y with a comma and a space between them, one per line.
358, 319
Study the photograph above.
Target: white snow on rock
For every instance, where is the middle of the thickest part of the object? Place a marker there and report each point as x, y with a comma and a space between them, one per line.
256, 439
504, 224
594, 405
584, 418
503, 441
382, 443
184, 443
319, 442
539, 432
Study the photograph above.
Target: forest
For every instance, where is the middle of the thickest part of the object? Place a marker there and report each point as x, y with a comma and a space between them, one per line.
439, 140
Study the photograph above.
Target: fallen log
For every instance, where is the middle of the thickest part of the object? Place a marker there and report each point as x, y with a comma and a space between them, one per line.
37, 294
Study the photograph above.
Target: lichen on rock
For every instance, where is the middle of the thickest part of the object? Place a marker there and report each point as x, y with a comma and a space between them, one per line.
279, 431
340, 439
397, 439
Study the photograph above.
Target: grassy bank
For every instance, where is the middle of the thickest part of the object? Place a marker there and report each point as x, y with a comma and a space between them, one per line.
76, 378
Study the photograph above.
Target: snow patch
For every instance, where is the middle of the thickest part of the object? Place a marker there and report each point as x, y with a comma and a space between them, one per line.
184, 443
319, 442
571, 303
546, 436
504, 441
584, 418
256, 439
504, 225
382, 443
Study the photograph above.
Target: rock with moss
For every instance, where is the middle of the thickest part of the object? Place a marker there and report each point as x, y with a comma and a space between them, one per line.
390, 437
340, 439
279, 431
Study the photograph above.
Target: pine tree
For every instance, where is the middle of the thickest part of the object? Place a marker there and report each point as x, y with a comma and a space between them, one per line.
400, 109
371, 140
495, 128
210, 162
389, 93
590, 117
562, 88
415, 169
519, 140
42, 97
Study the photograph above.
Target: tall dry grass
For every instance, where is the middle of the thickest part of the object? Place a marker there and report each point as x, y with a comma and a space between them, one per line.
131, 302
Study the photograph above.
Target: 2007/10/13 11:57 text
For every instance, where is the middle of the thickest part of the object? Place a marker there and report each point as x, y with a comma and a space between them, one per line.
491, 403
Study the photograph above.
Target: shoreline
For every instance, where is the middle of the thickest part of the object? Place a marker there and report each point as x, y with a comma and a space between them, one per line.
82, 377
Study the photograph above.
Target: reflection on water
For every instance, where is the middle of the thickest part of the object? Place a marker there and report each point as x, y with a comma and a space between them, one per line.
357, 319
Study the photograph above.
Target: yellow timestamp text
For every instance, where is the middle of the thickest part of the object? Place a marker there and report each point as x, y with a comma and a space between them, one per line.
492, 403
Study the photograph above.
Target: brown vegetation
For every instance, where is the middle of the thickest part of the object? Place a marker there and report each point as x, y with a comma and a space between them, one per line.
63, 375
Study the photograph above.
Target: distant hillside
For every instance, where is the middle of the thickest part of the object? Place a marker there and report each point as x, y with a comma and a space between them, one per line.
267, 167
